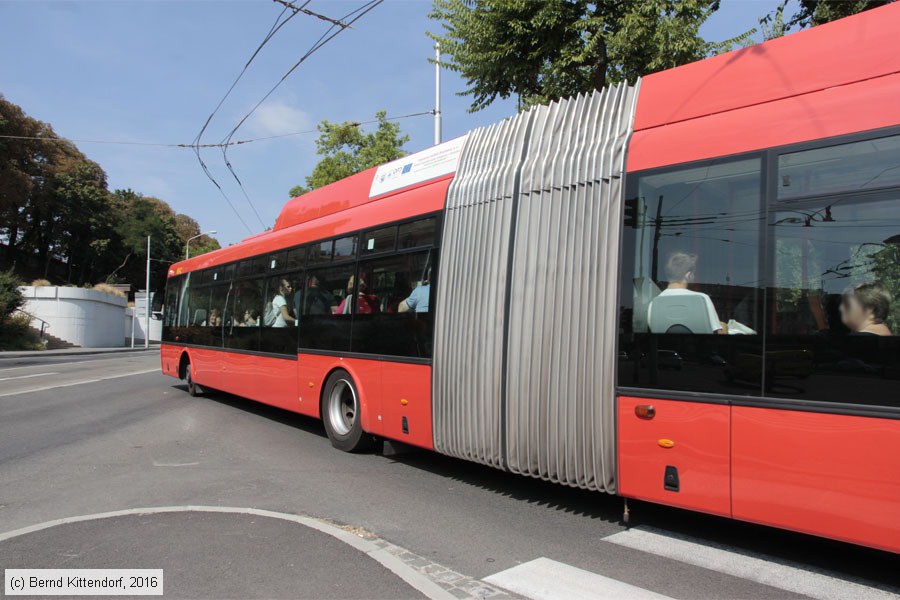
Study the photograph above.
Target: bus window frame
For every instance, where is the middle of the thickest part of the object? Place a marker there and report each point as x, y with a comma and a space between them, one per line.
771, 204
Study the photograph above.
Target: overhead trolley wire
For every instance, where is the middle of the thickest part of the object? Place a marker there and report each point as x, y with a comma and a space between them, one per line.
276, 26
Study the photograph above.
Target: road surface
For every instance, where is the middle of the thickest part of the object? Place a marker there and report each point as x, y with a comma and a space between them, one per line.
251, 501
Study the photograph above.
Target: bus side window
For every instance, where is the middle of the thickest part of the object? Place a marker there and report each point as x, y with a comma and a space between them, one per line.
692, 286
401, 322
279, 318
833, 300
326, 308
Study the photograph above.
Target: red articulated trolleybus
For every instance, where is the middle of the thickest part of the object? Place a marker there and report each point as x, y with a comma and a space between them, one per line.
685, 291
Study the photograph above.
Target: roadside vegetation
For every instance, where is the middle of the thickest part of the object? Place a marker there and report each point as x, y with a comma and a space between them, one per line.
60, 223
15, 333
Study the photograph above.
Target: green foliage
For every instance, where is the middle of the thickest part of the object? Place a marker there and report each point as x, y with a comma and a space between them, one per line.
16, 334
773, 25
11, 298
817, 12
811, 13
62, 223
541, 51
347, 150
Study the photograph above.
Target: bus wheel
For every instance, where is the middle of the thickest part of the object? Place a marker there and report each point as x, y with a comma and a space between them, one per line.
341, 414
193, 388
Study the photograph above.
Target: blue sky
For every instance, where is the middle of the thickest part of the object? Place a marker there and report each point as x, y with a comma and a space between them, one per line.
153, 71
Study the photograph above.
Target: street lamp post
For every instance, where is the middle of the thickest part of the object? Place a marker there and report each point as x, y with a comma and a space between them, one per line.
187, 244
147, 300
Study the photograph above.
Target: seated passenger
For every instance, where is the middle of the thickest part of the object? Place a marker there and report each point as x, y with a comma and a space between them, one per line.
251, 318
365, 303
680, 270
418, 299
214, 319
864, 307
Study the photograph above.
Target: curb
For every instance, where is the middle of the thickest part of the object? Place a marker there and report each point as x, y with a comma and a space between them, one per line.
15, 354
389, 556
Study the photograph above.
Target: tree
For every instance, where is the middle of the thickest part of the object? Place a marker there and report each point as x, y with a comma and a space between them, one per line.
59, 221
187, 228
557, 48
347, 150
28, 167
11, 298
811, 13
817, 12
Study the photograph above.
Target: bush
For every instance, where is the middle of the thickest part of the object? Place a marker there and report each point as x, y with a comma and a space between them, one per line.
108, 289
15, 334
40, 283
11, 298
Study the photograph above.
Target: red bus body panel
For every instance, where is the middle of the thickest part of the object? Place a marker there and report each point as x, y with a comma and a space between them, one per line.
405, 389
701, 447
382, 387
831, 475
830, 80
419, 199
263, 378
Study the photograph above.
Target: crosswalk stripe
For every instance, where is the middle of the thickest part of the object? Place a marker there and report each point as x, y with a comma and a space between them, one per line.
768, 570
546, 579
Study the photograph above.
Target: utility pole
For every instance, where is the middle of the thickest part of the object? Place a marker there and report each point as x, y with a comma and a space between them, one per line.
147, 300
437, 94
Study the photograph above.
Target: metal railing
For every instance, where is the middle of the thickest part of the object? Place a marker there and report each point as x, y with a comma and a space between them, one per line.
45, 325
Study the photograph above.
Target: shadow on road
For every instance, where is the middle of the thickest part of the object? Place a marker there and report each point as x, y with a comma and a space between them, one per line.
783, 546
285, 417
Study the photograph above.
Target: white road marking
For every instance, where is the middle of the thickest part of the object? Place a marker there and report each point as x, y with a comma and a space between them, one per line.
760, 568
392, 563
546, 579
187, 464
62, 385
27, 376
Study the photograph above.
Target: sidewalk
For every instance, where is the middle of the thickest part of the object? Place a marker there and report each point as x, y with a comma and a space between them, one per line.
154, 347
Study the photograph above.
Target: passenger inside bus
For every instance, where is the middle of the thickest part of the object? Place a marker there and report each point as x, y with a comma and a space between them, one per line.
318, 300
215, 318
251, 318
678, 309
418, 300
864, 308
366, 303
280, 306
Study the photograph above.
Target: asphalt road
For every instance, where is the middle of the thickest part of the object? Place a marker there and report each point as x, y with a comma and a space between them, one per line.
91, 434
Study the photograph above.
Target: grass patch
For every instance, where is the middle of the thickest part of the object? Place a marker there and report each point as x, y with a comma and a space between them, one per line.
16, 334
108, 289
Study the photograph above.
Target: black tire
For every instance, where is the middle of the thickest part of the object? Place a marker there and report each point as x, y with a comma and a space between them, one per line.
341, 414
192, 388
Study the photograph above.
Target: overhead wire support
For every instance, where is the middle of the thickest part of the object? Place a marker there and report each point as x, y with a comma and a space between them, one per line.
192, 145
306, 11
326, 37
323, 39
276, 26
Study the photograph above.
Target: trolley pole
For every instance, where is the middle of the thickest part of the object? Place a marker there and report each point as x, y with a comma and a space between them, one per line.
147, 300
437, 94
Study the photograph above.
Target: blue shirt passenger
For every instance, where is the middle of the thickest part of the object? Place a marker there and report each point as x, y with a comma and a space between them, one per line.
418, 299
